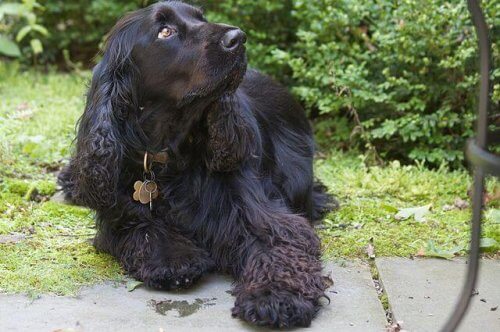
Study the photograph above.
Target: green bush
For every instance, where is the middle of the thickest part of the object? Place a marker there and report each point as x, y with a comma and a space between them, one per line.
78, 27
17, 22
404, 71
397, 77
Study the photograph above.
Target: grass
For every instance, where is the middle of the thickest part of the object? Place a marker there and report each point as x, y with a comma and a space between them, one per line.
52, 252
370, 198
37, 120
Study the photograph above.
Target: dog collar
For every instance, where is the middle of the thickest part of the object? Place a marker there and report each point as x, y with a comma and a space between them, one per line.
150, 158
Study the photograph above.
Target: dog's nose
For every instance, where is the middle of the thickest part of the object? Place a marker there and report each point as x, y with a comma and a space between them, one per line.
233, 39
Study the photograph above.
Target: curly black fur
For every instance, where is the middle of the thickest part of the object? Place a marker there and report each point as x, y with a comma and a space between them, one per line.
237, 194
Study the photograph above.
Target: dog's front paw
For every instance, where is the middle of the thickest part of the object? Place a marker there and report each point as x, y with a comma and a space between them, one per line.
175, 275
278, 309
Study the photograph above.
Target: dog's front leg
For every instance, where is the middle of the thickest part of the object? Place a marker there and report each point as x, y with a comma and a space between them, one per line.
281, 282
158, 255
176, 262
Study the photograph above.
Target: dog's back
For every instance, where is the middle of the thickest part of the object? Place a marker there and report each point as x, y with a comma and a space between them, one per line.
288, 145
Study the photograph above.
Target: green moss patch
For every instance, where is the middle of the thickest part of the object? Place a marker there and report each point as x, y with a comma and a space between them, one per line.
45, 247
371, 197
54, 253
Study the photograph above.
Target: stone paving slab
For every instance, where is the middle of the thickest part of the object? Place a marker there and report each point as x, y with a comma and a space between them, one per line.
423, 292
107, 307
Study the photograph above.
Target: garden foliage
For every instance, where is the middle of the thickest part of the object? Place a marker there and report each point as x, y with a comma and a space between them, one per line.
20, 17
395, 77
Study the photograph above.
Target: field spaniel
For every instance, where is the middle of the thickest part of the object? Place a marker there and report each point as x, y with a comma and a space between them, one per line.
194, 164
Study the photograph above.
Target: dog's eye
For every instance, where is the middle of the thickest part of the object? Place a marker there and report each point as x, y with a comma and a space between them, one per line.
166, 33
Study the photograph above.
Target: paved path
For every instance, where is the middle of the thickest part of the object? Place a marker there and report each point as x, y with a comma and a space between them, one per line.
355, 307
423, 292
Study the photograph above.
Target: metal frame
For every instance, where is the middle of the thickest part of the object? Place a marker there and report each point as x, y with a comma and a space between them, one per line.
483, 162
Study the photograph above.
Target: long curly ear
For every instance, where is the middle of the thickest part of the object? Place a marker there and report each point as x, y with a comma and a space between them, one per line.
92, 176
233, 136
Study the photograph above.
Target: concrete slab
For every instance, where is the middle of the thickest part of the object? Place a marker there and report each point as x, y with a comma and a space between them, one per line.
354, 307
58, 197
423, 292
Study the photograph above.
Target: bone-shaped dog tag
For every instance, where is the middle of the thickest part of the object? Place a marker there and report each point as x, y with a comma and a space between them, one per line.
137, 188
148, 192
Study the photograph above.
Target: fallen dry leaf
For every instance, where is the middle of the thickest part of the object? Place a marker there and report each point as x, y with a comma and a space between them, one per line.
22, 115
22, 106
396, 327
488, 197
448, 207
491, 197
461, 204
420, 252
370, 250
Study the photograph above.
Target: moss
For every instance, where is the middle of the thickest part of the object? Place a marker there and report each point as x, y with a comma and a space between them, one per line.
59, 266
45, 188
384, 300
374, 272
56, 255
15, 186
28, 188
371, 196
9, 202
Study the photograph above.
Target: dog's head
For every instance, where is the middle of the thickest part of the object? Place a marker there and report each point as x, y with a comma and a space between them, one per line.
165, 56
178, 54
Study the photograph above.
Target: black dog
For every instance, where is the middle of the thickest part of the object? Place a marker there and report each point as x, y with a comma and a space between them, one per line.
224, 158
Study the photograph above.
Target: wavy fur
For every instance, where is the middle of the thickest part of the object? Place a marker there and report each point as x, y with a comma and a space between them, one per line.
237, 194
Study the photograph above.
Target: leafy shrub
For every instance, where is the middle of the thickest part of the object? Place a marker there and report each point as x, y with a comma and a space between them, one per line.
19, 19
78, 27
405, 72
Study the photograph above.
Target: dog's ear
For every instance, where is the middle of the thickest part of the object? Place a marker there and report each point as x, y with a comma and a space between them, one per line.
233, 136
93, 174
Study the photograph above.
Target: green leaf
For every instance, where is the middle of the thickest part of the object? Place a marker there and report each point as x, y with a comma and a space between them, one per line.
389, 208
30, 17
432, 251
41, 29
22, 33
133, 284
418, 213
36, 45
487, 243
37, 5
8, 47
10, 9
493, 216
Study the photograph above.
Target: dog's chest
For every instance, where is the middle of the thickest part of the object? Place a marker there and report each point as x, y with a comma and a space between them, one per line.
194, 200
